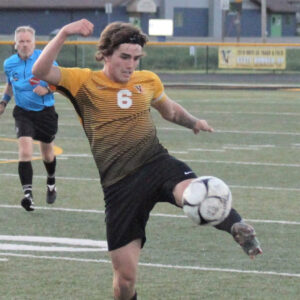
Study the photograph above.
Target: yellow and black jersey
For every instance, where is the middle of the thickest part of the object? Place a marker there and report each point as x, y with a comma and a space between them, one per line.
116, 118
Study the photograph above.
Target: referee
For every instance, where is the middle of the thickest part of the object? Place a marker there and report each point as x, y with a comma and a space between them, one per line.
34, 113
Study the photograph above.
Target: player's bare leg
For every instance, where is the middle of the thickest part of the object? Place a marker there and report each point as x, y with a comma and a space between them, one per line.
179, 189
125, 263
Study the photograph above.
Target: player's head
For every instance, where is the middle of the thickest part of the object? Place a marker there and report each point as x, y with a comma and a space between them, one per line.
25, 41
120, 47
118, 33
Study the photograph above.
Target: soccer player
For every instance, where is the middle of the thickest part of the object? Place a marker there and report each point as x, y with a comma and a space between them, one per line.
136, 170
34, 113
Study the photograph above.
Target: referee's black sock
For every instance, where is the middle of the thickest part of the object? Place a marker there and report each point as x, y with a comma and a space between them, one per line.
50, 168
134, 297
26, 173
232, 218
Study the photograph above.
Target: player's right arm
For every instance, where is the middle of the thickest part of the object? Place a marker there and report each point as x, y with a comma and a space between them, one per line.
43, 67
7, 94
175, 113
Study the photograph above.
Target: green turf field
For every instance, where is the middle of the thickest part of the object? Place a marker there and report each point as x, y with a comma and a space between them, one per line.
58, 251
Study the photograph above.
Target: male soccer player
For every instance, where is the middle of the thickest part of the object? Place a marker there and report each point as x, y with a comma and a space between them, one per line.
136, 170
34, 113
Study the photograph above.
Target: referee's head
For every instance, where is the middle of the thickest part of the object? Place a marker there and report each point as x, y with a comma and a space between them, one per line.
25, 41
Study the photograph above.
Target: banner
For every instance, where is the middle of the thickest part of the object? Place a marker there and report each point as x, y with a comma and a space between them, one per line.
241, 57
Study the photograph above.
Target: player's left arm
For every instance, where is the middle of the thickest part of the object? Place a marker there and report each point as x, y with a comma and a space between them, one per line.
175, 113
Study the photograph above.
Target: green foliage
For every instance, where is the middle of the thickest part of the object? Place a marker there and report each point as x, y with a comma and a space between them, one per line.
179, 58
158, 58
293, 59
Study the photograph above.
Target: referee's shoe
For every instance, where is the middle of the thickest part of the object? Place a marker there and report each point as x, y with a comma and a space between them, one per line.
51, 194
27, 202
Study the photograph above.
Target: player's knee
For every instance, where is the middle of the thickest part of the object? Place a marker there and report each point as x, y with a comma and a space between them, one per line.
124, 283
25, 155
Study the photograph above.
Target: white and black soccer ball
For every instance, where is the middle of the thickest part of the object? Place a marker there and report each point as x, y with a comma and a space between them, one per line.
207, 200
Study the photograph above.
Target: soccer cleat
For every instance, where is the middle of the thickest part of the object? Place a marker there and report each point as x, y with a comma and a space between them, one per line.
244, 235
27, 202
51, 194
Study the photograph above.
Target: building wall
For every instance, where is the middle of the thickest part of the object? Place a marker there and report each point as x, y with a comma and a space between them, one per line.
200, 18
169, 6
289, 25
195, 22
45, 21
250, 24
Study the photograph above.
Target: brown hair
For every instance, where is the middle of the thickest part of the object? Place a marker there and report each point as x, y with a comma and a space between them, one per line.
118, 33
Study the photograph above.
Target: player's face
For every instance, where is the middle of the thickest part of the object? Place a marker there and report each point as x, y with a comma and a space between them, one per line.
25, 44
122, 63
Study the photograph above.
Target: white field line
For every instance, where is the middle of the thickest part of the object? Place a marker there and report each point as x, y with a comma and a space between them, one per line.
235, 131
54, 240
206, 112
275, 188
57, 177
174, 267
203, 150
3, 259
14, 247
251, 163
250, 113
95, 211
242, 101
93, 245
222, 149
178, 128
270, 188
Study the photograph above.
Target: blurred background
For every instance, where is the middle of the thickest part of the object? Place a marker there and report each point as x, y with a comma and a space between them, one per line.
191, 36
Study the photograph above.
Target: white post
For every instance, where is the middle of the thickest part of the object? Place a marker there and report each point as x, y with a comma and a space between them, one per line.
263, 20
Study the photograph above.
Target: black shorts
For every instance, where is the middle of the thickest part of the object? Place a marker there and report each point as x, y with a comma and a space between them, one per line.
129, 201
40, 125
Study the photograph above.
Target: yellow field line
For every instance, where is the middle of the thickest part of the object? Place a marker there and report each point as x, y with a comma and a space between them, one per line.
57, 151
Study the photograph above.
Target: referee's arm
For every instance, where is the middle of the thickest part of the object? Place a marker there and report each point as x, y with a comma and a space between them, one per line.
7, 94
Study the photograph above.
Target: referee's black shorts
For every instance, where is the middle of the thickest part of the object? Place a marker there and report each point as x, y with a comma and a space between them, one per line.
129, 201
40, 125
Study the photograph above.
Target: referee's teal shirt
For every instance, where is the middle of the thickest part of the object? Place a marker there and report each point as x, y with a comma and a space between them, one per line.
19, 75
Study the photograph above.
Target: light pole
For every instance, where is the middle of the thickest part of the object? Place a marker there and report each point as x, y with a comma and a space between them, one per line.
108, 11
238, 6
224, 8
263, 20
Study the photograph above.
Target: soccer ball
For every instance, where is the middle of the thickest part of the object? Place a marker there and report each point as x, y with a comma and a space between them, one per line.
207, 200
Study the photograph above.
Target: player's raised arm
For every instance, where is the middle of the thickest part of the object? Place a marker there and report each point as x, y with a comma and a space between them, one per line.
43, 67
175, 113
